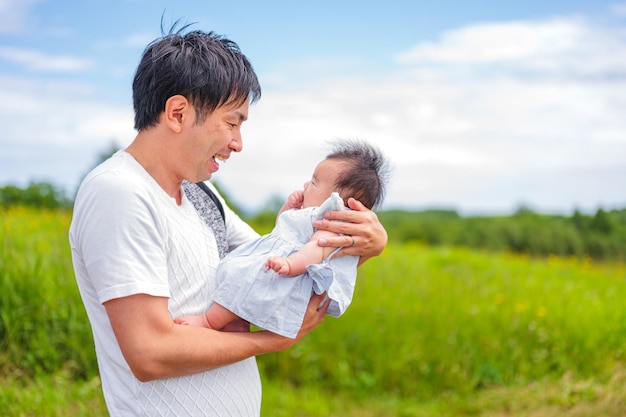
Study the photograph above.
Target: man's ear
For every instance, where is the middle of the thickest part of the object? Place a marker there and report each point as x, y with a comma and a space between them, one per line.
177, 111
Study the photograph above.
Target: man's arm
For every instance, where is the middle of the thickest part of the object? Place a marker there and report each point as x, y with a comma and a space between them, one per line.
155, 347
360, 224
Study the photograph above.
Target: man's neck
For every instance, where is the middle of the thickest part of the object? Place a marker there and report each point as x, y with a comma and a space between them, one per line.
155, 160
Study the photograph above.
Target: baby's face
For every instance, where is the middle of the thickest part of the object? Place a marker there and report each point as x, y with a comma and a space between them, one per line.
323, 182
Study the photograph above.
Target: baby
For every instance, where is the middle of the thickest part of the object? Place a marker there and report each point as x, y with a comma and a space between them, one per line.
269, 281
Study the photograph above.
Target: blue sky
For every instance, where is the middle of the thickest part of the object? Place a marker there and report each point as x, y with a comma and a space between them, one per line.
481, 106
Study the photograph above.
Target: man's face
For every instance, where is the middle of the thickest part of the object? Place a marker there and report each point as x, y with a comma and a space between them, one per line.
212, 141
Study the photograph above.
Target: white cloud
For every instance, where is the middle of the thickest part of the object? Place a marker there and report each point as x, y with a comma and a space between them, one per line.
485, 118
14, 15
481, 131
619, 9
55, 130
561, 47
38, 61
64, 114
499, 42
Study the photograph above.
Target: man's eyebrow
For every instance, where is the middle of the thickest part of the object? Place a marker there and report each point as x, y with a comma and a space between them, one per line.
242, 117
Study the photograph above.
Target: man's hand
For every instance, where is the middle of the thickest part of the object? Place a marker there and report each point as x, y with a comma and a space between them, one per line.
314, 316
364, 235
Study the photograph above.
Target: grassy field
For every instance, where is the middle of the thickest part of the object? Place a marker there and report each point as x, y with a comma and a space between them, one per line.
61, 396
431, 332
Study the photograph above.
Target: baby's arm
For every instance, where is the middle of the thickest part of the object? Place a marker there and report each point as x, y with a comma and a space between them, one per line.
215, 318
197, 320
294, 201
309, 253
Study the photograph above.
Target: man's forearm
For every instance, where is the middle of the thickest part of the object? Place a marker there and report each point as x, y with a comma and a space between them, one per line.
155, 347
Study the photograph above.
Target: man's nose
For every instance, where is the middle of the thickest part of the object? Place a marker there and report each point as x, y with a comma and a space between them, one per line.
236, 144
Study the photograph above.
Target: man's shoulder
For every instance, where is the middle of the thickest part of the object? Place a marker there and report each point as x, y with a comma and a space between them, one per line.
119, 177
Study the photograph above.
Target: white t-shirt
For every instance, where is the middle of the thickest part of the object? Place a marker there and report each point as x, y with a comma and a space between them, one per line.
129, 237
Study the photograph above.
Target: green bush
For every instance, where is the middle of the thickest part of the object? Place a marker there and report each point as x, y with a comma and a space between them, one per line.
36, 194
601, 236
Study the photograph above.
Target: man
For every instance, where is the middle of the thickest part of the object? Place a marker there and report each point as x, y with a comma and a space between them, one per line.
142, 254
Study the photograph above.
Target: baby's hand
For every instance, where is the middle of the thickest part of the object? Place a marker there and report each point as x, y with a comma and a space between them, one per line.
278, 264
192, 320
295, 199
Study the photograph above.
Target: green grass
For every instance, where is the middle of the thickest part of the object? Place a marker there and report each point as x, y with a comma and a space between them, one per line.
428, 321
43, 325
60, 395
431, 332
56, 395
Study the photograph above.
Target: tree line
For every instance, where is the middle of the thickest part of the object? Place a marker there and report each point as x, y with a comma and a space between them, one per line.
601, 235
36, 195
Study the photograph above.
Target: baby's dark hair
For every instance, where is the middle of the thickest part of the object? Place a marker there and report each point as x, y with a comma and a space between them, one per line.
365, 174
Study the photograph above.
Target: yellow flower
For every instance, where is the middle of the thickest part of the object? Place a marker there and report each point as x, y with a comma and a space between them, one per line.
521, 307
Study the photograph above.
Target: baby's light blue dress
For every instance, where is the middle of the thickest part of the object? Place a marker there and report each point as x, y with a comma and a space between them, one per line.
278, 303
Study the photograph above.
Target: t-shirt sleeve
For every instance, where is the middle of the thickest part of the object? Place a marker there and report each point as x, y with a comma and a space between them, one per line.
120, 239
